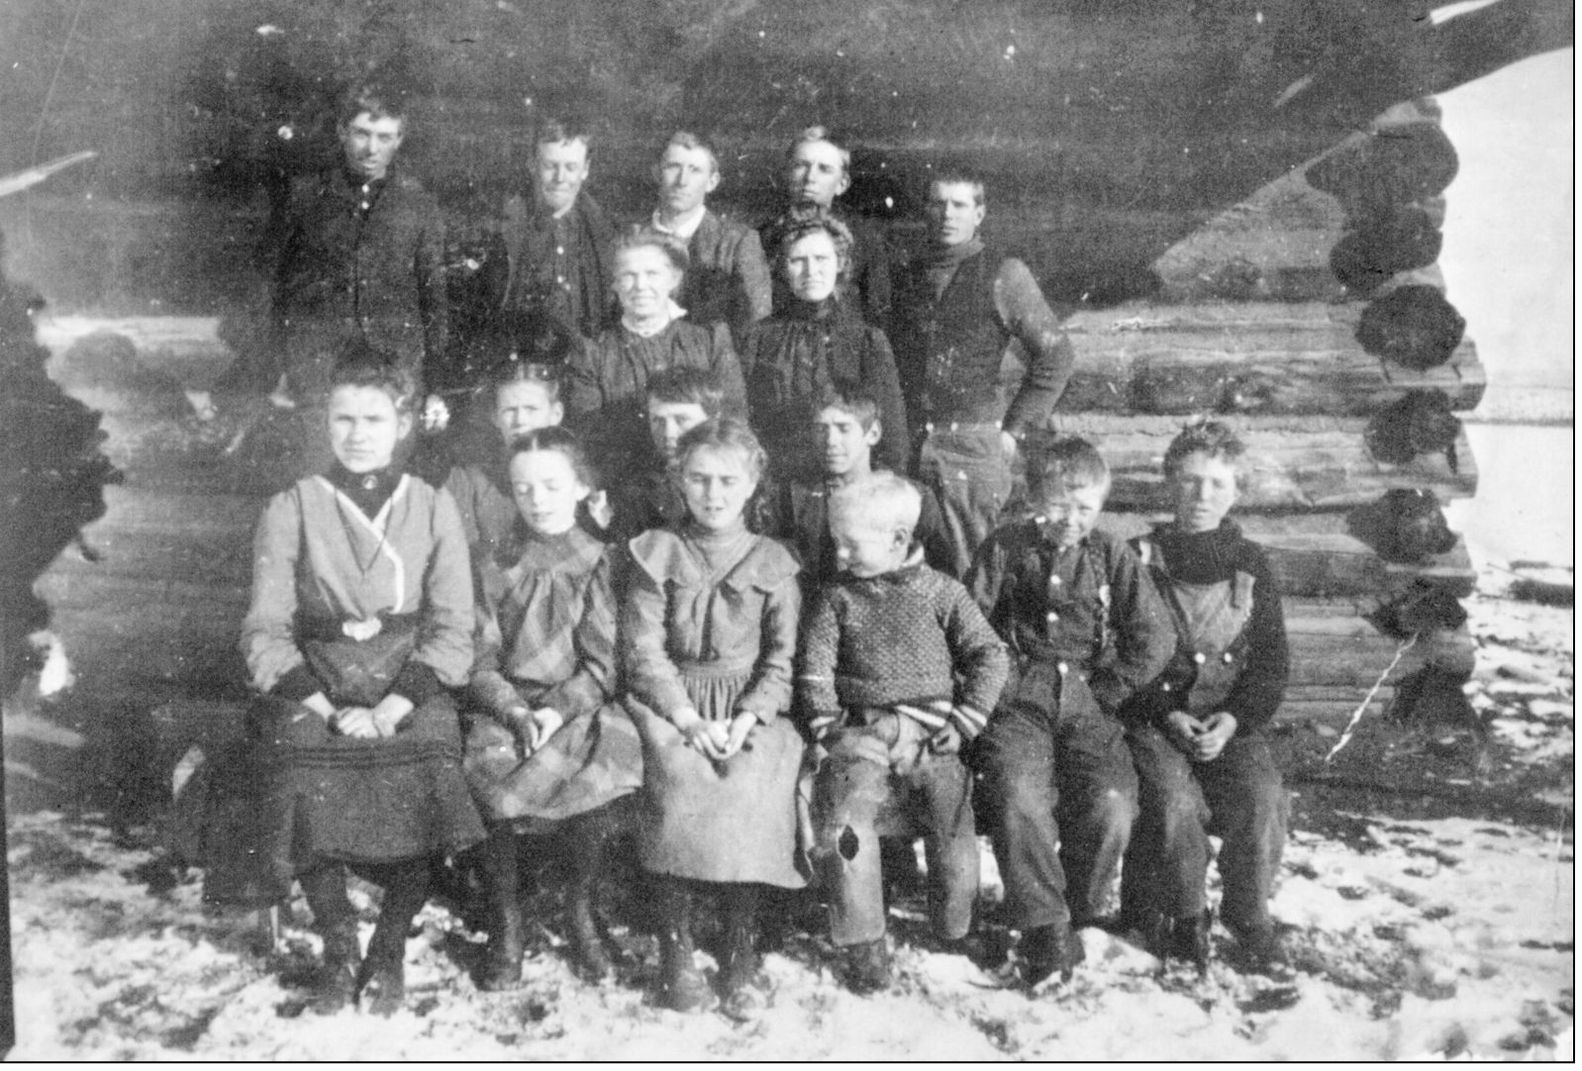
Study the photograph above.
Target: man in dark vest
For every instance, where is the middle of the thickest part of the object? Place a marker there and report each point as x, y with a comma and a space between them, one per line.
728, 281
958, 306
818, 170
558, 247
360, 254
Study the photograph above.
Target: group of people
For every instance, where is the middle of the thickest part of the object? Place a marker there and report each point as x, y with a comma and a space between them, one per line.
676, 589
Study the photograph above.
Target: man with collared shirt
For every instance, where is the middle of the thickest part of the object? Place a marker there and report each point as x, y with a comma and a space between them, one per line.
728, 280
558, 245
818, 170
360, 256
957, 307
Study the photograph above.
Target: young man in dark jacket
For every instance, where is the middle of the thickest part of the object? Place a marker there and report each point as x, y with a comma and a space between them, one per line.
558, 242
728, 278
360, 255
957, 307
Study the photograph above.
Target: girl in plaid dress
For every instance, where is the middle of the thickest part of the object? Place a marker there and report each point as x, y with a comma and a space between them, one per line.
548, 750
709, 626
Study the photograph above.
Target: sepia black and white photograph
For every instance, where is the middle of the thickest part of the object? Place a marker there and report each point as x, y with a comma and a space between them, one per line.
787, 530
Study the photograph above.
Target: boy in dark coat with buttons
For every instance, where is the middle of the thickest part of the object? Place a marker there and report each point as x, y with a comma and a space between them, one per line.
898, 670
1200, 740
1086, 629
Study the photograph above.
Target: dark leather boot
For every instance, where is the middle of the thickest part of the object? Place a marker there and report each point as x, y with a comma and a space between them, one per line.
682, 986
739, 968
336, 984
383, 982
587, 943
868, 967
598, 832
1049, 950
502, 959
384, 987
1260, 951
1189, 941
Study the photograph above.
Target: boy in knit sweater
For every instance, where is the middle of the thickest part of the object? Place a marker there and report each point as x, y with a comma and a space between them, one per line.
899, 670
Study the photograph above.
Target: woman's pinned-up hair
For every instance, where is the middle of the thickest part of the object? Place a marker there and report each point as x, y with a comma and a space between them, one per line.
641, 237
359, 364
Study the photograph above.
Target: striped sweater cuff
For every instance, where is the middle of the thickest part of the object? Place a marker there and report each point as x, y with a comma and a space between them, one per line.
969, 720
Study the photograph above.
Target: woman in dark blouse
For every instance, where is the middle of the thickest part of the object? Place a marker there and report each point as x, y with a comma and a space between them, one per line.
813, 341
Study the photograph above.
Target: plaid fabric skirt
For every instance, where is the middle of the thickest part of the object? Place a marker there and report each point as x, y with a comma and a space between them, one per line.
586, 764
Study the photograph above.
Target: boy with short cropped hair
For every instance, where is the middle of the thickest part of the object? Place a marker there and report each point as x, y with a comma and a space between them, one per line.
898, 670
845, 429
1199, 742
648, 496
1086, 629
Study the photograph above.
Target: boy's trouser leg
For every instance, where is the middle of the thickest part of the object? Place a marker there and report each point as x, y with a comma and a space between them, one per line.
846, 799
1017, 760
1170, 848
1097, 806
1249, 806
971, 478
951, 846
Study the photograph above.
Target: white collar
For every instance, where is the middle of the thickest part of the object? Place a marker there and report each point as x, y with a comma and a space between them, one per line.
676, 313
685, 226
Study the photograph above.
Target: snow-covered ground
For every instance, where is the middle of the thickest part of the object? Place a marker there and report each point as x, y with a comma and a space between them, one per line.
1423, 924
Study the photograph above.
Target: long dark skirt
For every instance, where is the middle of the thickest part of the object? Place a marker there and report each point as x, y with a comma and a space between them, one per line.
293, 795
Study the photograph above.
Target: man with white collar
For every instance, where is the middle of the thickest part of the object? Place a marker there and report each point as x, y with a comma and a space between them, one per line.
558, 245
817, 171
728, 281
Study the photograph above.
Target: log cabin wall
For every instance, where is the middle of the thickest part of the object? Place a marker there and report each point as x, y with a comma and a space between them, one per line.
1221, 196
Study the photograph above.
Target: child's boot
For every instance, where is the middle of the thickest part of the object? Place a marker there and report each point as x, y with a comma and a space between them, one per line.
868, 967
502, 965
682, 986
336, 984
1047, 950
739, 971
383, 988
1189, 941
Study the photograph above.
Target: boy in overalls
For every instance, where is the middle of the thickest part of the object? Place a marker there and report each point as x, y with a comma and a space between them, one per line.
1086, 629
1200, 744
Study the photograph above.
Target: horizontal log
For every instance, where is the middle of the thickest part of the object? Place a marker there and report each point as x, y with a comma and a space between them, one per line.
1317, 368
1253, 337
1292, 463
1332, 713
1313, 556
1360, 661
